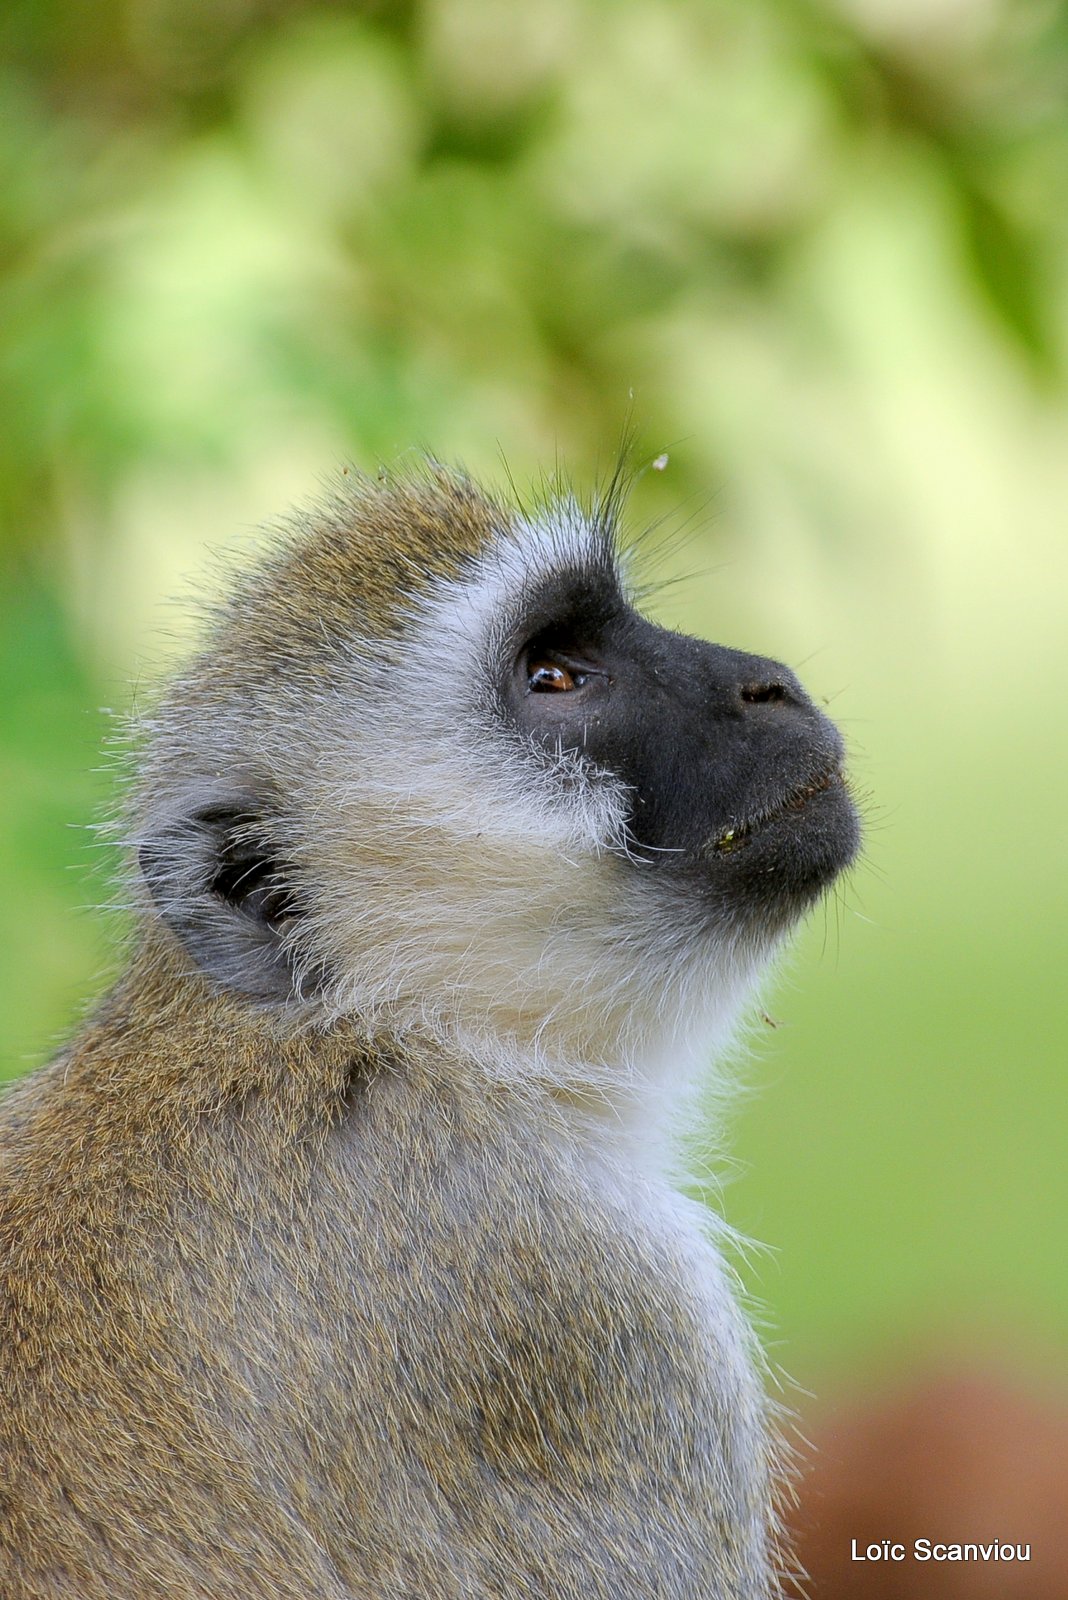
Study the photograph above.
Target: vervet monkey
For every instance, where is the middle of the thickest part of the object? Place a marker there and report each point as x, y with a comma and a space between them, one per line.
338, 1254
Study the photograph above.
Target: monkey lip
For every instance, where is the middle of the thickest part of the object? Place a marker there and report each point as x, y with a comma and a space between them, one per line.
794, 801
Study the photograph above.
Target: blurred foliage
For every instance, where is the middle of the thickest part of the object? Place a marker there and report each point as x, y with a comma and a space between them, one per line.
820, 253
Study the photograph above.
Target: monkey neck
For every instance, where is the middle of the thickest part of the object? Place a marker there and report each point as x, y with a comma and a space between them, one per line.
166, 1049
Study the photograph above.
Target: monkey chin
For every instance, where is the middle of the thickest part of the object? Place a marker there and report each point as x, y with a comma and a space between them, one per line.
775, 865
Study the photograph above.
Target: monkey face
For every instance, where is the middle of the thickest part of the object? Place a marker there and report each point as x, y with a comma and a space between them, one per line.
733, 778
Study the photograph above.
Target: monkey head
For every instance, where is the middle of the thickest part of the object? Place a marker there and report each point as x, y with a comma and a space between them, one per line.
434, 768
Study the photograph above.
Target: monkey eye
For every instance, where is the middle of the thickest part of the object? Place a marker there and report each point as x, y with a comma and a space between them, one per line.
545, 676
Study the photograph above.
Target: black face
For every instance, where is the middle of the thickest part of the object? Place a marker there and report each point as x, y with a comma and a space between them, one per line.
735, 776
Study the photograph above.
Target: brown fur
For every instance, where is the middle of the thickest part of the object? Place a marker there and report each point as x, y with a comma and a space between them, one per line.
377, 547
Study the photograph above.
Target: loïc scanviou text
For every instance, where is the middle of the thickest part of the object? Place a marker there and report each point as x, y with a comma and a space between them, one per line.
935, 1550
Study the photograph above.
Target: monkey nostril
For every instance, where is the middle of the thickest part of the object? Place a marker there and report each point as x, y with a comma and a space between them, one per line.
762, 694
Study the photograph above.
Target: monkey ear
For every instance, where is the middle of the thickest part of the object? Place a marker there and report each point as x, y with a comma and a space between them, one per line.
218, 883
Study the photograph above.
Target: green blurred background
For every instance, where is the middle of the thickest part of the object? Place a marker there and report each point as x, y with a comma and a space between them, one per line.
819, 252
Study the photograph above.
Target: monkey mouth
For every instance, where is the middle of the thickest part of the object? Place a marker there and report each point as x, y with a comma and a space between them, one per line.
739, 834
